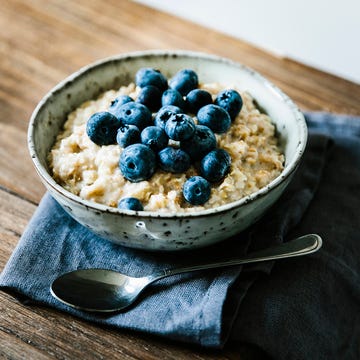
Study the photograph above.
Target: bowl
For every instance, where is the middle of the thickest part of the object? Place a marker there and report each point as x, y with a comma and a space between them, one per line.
154, 230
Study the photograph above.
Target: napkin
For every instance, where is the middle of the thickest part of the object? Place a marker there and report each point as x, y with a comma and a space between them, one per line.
309, 307
290, 309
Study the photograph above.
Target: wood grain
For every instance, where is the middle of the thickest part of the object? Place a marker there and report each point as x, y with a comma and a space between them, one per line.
42, 42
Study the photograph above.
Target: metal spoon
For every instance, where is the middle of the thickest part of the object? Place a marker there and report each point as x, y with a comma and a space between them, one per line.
100, 290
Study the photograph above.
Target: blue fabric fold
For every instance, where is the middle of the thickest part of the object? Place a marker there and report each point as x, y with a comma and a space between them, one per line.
309, 308
244, 304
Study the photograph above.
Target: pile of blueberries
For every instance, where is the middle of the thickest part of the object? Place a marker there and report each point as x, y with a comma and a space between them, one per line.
144, 137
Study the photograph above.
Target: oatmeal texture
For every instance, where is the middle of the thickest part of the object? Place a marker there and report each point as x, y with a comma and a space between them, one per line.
92, 171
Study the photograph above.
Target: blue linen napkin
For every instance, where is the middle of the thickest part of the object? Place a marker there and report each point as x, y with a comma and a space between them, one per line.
209, 307
309, 308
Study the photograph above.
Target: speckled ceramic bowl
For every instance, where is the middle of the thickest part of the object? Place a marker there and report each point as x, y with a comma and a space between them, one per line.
151, 230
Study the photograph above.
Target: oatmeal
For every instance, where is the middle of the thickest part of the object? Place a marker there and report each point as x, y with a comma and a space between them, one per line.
92, 171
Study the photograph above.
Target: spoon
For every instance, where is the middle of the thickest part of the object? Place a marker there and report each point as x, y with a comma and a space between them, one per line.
100, 290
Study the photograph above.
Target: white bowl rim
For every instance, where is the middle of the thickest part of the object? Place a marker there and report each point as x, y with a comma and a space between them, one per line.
288, 170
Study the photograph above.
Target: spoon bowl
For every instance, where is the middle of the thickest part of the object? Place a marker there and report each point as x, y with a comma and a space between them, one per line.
101, 290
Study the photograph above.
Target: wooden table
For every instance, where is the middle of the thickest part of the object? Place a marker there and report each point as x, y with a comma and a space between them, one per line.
41, 42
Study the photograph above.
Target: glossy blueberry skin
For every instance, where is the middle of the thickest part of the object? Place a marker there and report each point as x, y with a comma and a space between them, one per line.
215, 165
134, 113
150, 76
130, 203
172, 97
174, 160
150, 96
184, 81
127, 135
154, 137
137, 162
215, 117
180, 127
102, 128
231, 101
196, 190
200, 144
196, 99
164, 114
118, 102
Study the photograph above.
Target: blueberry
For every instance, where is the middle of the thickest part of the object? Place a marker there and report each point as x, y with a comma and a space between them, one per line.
137, 162
127, 135
118, 102
163, 115
150, 96
174, 160
215, 165
130, 203
180, 127
154, 137
134, 113
196, 99
172, 97
196, 190
215, 117
231, 101
200, 144
184, 81
149, 76
102, 127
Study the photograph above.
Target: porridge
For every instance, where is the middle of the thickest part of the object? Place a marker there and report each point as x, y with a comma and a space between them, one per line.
92, 171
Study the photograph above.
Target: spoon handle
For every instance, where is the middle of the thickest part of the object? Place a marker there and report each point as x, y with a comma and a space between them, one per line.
303, 245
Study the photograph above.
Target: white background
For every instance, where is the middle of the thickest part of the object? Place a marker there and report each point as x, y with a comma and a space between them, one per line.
320, 33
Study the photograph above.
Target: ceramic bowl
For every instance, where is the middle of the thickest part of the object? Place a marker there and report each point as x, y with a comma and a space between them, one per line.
152, 230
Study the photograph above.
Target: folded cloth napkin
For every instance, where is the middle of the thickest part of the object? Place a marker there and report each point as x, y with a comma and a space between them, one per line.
297, 307
309, 307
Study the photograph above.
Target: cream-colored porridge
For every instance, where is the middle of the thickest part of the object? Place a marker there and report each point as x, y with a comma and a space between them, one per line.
92, 171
